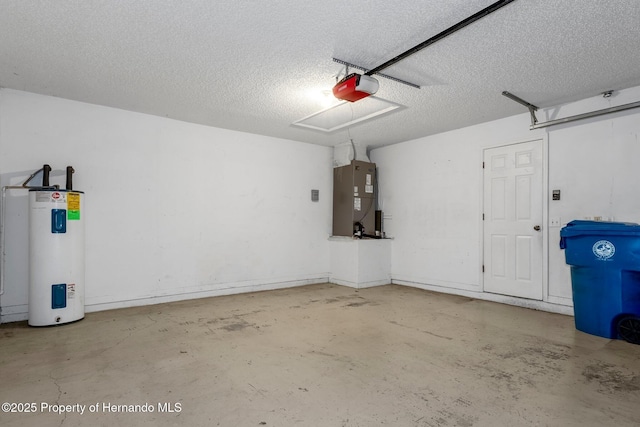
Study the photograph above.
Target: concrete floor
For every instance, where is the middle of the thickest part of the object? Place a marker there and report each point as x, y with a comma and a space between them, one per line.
320, 355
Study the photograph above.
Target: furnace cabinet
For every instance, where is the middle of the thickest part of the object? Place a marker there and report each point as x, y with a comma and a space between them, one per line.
354, 197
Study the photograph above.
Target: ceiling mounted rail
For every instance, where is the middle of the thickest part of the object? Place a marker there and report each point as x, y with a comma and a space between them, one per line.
386, 76
586, 115
456, 27
460, 25
536, 125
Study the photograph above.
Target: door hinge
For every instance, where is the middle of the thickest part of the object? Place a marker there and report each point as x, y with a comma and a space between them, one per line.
483, 268
483, 217
482, 165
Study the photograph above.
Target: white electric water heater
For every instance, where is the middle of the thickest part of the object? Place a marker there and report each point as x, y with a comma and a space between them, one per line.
56, 256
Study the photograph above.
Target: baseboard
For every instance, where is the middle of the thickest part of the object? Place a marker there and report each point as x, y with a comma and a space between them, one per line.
341, 282
21, 312
14, 313
360, 285
473, 287
520, 302
225, 289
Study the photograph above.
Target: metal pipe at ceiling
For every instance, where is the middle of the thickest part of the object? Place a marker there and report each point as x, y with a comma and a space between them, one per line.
532, 108
460, 25
586, 115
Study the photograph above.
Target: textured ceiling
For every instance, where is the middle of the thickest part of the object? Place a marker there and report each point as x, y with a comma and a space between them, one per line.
251, 65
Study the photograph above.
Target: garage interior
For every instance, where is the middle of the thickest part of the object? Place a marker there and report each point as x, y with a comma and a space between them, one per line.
205, 139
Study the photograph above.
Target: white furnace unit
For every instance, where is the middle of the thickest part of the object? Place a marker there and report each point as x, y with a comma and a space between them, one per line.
56, 256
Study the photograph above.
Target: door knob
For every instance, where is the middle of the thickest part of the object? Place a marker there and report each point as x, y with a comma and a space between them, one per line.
536, 227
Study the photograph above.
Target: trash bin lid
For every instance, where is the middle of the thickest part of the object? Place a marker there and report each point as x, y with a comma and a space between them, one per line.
583, 227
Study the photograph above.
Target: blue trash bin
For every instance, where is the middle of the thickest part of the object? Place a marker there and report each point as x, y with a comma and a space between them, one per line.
605, 277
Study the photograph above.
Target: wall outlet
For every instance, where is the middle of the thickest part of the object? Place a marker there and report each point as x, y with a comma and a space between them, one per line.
554, 222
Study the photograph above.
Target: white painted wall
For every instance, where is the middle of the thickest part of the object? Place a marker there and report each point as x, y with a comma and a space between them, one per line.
431, 193
173, 210
595, 165
176, 210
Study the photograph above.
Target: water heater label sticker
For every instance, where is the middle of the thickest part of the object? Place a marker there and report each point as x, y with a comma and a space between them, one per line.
357, 204
368, 188
73, 201
73, 206
42, 196
368, 179
71, 290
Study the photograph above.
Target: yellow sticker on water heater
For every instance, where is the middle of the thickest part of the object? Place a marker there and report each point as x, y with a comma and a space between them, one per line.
73, 206
73, 201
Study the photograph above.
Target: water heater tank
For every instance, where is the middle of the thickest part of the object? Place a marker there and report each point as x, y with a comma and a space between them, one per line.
56, 256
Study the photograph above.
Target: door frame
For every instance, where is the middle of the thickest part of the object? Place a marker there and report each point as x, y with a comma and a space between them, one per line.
545, 212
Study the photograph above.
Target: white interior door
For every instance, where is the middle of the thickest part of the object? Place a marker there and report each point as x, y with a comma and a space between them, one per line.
513, 191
